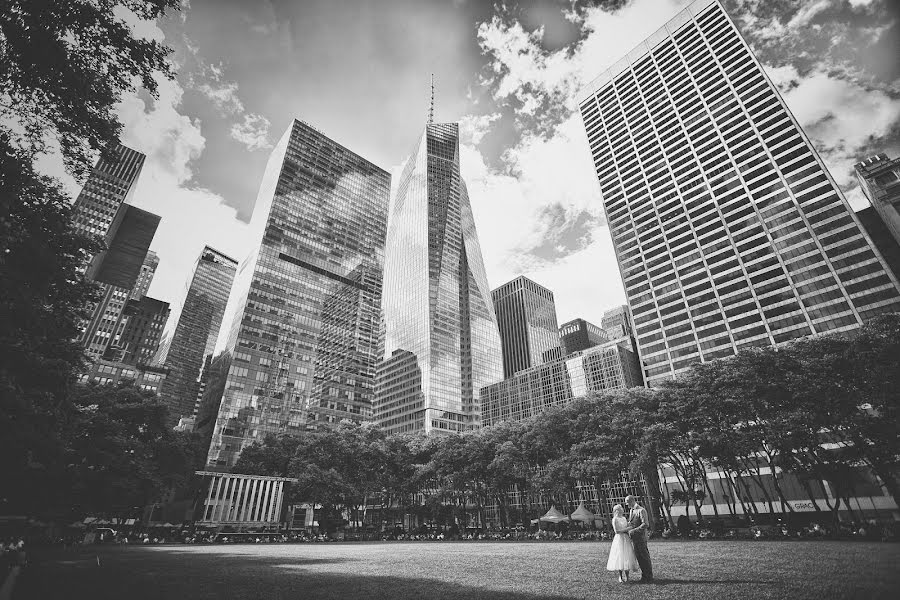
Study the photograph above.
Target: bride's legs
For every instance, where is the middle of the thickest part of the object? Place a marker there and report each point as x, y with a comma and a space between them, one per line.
620, 577
626, 576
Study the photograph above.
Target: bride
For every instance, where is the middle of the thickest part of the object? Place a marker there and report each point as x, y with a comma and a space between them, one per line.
621, 553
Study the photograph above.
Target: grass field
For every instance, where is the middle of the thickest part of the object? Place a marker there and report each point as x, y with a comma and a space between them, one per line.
462, 570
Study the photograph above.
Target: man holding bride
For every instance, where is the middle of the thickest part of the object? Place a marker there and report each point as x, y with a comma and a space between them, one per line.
629, 547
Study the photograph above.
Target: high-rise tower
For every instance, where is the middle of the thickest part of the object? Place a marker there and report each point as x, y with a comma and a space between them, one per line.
193, 335
441, 339
304, 310
728, 228
526, 317
879, 178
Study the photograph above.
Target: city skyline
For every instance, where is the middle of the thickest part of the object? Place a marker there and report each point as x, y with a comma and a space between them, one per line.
561, 229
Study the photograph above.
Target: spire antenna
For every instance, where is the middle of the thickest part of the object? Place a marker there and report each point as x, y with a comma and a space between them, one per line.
431, 106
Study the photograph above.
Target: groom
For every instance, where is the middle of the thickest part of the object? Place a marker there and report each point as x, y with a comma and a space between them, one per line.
638, 525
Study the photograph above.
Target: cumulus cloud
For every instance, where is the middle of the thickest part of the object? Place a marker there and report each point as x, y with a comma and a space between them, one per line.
221, 92
253, 132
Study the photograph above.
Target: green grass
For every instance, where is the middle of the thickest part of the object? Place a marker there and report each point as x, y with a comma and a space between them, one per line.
461, 570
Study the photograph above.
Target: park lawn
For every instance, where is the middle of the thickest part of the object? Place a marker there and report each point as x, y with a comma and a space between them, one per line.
462, 570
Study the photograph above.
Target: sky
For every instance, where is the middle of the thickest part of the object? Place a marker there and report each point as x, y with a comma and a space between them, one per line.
509, 73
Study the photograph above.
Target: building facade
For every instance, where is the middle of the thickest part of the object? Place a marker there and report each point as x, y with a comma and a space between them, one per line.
611, 365
881, 236
579, 334
526, 318
192, 336
304, 312
728, 229
879, 178
110, 372
616, 322
142, 324
109, 185
437, 304
145, 277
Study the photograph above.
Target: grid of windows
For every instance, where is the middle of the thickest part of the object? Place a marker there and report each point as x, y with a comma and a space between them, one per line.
526, 317
195, 331
728, 230
610, 366
437, 303
305, 307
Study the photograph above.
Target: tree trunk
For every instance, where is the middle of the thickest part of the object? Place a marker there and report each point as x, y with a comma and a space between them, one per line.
805, 483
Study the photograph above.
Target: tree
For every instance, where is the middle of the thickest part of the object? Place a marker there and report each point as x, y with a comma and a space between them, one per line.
65, 65
118, 452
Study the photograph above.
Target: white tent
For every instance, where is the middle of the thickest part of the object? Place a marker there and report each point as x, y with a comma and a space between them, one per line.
554, 516
582, 514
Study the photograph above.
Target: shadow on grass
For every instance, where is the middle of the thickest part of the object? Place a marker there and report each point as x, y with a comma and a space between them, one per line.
133, 574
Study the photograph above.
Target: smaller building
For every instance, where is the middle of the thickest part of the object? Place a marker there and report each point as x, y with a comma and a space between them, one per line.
879, 178
881, 237
578, 334
239, 501
610, 366
140, 331
616, 322
108, 372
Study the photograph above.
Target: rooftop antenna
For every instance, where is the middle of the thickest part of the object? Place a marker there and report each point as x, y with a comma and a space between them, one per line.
431, 106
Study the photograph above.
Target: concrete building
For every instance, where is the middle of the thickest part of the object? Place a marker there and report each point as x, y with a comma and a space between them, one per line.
579, 334
879, 178
728, 229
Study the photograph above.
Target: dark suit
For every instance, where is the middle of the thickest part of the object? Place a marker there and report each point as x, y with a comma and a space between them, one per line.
639, 518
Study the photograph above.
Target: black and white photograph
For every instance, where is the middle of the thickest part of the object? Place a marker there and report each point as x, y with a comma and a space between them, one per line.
449, 299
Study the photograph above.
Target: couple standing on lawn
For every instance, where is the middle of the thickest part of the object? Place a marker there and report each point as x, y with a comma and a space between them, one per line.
629, 546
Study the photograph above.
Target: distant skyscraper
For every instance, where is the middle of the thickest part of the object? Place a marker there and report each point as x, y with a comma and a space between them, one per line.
304, 331
111, 182
526, 317
437, 304
101, 209
616, 322
879, 178
579, 334
728, 229
193, 336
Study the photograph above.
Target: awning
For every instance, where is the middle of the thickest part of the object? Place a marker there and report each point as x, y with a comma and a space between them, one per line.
554, 516
582, 514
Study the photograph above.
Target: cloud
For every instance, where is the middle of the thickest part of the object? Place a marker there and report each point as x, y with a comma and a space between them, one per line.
222, 93
191, 216
253, 132
473, 128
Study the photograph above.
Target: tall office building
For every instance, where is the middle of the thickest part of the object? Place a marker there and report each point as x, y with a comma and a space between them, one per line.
579, 334
101, 209
437, 303
193, 336
306, 301
110, 183
728, 229
526, 317
879, 178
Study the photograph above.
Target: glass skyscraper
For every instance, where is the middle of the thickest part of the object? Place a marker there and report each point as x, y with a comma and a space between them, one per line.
305, 306
439, 325
193, 335
728, 229
526, 317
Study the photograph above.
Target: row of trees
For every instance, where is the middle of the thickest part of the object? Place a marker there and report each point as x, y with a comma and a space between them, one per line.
820, 410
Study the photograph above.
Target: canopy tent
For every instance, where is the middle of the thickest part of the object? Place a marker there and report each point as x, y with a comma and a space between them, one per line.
554, 516
582, 514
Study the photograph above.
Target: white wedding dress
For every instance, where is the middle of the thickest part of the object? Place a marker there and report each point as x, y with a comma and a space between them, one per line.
621, 553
